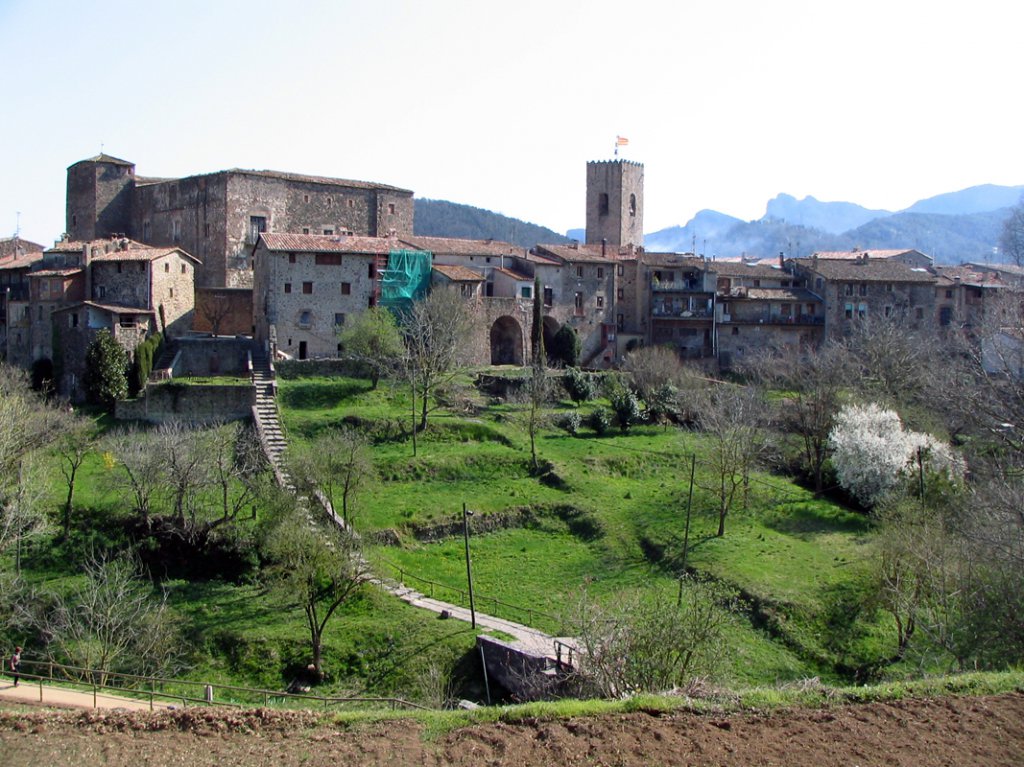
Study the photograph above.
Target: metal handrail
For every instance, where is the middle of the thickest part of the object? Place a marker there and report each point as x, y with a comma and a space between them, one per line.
208, 688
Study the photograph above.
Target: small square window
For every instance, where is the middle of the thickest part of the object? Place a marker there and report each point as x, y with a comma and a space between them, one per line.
346, 288
291, 258
305, 319
339, 318
307, 287
328, 231
526, 291
287, 287
305, 230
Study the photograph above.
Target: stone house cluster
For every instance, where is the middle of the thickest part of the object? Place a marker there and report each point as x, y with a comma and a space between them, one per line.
290, 258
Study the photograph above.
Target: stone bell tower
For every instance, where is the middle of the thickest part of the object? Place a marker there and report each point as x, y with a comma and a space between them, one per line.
615, 203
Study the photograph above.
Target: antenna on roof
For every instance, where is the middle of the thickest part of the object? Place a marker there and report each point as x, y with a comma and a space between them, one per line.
17, 225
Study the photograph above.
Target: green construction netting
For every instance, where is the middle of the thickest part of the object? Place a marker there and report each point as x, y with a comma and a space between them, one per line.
406, 278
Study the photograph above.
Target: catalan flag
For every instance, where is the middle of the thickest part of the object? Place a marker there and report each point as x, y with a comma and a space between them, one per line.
621, 141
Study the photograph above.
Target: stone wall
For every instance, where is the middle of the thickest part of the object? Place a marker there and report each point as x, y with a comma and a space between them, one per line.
196, 404
229, 308
212, 356
619, 221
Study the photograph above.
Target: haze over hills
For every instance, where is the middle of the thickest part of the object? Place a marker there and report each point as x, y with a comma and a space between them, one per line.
951, 227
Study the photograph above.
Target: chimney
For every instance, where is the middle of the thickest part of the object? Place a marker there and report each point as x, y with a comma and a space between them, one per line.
814, 262
782, 260
604, 246
87, 269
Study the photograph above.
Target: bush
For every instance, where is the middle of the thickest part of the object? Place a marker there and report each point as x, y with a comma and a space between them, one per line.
627, 408
580, 386
146, 353
600, 420
106, 370
565, 346
571, 422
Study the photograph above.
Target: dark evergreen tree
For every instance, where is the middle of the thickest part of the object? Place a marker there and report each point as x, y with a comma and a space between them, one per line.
537, 331
106, 370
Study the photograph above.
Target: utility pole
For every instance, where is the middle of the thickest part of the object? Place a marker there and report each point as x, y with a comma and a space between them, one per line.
466, 514
686, 534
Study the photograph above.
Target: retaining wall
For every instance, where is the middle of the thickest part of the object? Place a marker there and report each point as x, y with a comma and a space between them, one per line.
195, 404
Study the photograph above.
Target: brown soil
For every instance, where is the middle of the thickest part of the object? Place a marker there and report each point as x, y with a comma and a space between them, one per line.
948, 731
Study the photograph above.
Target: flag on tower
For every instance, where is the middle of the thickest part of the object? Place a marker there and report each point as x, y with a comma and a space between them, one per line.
620, 141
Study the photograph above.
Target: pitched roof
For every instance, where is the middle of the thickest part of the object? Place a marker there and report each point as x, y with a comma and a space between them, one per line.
22, 261
135, 251
746, 269
458, 246
835, 255
284, 176
513, 274
971, 275
59, 272
651, 258
458, 273
329, 243
110, 308
101, 157
586, 254
16, 246
871, 270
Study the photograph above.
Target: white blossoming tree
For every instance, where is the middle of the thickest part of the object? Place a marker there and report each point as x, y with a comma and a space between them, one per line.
872, 452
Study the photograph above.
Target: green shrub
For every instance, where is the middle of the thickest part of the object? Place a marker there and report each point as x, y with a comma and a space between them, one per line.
580, 386
600, 420
571, 422
627, 408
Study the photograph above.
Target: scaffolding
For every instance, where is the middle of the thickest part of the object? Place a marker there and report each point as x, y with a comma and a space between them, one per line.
405, 279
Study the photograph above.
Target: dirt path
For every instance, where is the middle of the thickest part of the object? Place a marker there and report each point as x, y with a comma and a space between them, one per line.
30, 691
946, 732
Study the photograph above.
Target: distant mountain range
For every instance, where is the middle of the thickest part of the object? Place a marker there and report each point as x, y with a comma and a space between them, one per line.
951, 227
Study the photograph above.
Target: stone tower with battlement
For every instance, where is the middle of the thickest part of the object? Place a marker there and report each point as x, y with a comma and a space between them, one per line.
99, 198
615, 203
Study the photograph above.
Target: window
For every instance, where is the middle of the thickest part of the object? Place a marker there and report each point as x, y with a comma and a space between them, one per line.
305, 198
287, 287
305, 230
328, 231
167, 267
602, 204
887, 311
351, 203
757, 283
619, 294
600, 272
888, 287
849, 288
206, 230
949, 294
786, 310
371, 270
919, 313
101, 291
346, 288
849, 311
371, 301
291, 258
73, 320
863, 288
579, 271
620, 321
170, 292
176, 230
74, 220
735, 331
307, 288
120, 267
145, 231
391, 208
578, 303
862, 311
329, 200
945, 316
819, 283
549, 296
184, 268
328, 259
620, 270
305, 318
339, 318
632, 205
526, 291
600, 302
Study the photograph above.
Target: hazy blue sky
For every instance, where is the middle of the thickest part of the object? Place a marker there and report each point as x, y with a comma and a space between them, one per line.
500, 105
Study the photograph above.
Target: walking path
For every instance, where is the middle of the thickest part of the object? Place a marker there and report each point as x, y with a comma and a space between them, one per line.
33, 692
272, 437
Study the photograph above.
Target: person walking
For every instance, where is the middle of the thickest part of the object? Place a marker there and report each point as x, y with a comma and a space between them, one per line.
14, 663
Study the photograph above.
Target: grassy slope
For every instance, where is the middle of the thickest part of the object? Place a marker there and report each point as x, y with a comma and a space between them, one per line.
791, 555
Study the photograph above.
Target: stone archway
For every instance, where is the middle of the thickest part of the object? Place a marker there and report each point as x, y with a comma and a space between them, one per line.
551, 326
506, 341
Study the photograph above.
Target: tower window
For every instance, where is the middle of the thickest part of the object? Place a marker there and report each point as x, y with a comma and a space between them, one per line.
391, 208
257, 225
632, 205
602, 204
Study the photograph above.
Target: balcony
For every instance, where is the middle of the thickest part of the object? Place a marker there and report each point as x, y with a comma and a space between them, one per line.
682, 313
678, 286
776, 319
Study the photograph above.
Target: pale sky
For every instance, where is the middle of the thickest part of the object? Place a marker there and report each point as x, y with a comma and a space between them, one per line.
501, 105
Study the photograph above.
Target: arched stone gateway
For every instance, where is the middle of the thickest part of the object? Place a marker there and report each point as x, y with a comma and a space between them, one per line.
551, 326
506, 342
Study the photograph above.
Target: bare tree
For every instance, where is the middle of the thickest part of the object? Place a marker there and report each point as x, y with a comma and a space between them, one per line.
1011, 239
72, 448
135, 467
317, 568
733, 419
110, 621
649, 643
436, 329
187, 471
533, 397
336, 462
215, 308
238, 468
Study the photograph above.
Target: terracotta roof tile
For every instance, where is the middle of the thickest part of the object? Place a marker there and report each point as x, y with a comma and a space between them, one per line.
330, 243
458, 273
457, 246
25, 261
849, 255
745, 269
62, 272
585, 254
799, 295
872, 270
112, 308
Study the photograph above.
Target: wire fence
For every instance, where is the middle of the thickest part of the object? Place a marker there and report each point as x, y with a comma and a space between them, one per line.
161, 692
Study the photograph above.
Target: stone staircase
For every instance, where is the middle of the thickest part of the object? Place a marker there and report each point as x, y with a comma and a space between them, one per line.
265, 411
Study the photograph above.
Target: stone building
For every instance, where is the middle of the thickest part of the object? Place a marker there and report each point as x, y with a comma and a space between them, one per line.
856, 289
305, 286
218, 217
15, 265
615, 203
